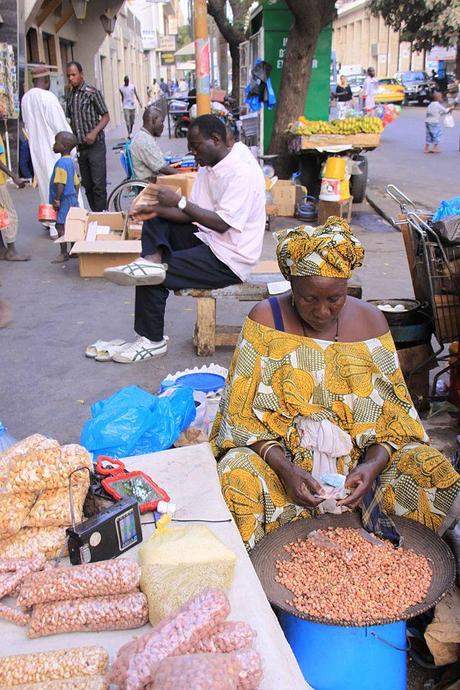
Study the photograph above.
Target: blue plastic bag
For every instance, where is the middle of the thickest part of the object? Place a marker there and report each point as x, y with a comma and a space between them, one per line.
449, 207
133, 421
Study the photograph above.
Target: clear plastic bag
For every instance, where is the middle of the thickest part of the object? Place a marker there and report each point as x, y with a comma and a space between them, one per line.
60, 664
178, 634
93, 683
197, 672
237, 670
39, 464
49, 542
52, 508
79, 582
232, 635
119, 612
178, 562
14, 512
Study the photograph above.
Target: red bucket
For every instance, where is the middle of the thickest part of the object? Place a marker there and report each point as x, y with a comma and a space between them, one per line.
4, 219
46, 213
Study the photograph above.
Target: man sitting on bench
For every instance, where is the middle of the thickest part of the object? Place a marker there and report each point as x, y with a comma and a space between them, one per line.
211, 240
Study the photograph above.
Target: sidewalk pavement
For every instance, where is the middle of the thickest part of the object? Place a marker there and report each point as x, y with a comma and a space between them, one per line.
427, 179
47, 383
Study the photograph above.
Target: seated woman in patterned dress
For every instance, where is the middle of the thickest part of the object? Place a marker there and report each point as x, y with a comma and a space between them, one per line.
315, 385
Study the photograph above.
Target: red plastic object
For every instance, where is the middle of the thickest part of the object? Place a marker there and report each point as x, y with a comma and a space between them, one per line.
4, 218
115, 471
46, 213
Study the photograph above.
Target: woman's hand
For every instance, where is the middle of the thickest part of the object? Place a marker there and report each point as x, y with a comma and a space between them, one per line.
300, 485
360, 481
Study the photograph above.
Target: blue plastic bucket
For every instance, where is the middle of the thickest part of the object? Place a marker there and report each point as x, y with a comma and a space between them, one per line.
336, 658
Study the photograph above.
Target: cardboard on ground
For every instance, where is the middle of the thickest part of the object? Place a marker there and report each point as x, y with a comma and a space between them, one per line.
97, 255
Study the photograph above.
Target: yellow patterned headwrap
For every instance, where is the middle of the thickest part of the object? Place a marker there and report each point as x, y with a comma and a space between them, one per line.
330, 250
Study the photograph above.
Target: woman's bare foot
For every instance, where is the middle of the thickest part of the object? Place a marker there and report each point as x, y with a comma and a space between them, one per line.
60, 259
435, 149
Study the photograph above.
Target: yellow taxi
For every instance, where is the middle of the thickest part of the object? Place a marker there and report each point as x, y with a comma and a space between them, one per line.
389, 91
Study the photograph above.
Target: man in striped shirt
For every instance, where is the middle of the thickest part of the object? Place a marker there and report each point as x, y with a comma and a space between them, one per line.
86, 108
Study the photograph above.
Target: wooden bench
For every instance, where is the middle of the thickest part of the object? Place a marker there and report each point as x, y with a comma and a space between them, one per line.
208, 335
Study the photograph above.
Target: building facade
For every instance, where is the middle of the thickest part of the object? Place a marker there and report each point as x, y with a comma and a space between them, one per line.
363, 40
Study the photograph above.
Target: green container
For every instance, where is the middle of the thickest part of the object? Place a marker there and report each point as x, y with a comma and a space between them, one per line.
276, 22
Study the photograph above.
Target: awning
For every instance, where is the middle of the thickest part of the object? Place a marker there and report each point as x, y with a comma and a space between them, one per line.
188, 49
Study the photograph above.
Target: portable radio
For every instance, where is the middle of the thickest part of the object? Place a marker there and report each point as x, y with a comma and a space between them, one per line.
106, 535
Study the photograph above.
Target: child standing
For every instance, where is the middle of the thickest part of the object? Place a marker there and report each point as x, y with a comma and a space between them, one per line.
64, 186
433, 116
9, 233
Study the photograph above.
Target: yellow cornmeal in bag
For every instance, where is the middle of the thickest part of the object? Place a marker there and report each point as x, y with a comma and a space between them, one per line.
178, 562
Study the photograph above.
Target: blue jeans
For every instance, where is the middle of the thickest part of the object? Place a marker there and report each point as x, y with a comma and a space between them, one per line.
433, 133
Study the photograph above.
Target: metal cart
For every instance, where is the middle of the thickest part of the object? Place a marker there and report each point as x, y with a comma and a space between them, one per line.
435, 271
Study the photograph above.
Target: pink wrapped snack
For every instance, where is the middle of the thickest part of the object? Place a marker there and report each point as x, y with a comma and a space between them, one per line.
232, 635
80, 581
13, 615
200, 617
118, 612
239, 670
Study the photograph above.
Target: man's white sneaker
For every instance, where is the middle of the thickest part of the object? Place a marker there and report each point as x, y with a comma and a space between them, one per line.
53, 232
139, 272
140, 350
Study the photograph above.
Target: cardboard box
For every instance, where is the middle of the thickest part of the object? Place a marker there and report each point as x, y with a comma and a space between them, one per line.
284, 196
183, 180
95, 256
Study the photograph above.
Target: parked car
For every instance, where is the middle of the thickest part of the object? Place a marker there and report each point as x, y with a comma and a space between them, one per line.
417, 85
390, 91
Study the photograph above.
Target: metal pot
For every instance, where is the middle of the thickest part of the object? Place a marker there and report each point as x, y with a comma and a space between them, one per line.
413, 315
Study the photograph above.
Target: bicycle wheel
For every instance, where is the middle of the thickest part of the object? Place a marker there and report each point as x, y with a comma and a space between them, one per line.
123, 196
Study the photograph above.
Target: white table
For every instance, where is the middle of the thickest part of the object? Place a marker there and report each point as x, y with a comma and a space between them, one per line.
189, 476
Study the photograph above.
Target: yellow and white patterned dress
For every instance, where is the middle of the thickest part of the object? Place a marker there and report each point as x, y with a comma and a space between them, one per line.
276, 376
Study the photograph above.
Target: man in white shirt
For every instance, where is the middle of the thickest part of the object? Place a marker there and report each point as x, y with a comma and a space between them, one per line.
128, 93
211, 240
370, 86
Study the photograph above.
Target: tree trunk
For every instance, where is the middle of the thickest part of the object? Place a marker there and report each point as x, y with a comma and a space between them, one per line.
235, 55
457, 61
295, 80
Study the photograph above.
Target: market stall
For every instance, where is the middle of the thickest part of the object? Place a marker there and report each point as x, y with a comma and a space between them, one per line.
189, 477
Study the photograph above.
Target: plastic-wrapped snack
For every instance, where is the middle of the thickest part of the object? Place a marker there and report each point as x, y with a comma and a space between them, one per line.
118, 612
10, 565
91, 660
14, 511
30, 541
232, 635
40, 464
197, 672
241, 670
79, 582
13, 615
251, 674
88, 683
200, 617
52, 508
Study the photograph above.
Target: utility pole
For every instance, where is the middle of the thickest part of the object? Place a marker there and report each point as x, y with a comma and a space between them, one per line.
202, 60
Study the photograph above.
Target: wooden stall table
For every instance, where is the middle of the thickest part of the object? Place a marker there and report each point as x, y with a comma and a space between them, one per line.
189, 475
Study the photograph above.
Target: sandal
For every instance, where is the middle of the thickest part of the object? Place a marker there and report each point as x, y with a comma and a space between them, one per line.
101, 345
106, 353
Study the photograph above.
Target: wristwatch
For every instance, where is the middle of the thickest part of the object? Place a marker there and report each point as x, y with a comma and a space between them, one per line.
182, 203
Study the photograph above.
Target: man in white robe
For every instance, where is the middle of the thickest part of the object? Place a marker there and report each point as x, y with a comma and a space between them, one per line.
43, 117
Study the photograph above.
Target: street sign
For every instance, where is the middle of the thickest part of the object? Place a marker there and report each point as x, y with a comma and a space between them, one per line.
168, 58
167, 43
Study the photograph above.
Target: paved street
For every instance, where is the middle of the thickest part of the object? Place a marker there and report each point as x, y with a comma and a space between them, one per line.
46, 381
425, 178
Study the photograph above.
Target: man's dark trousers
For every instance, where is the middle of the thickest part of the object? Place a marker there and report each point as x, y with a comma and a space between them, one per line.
191, 264
93, 170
